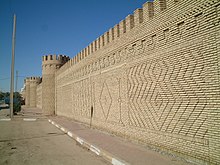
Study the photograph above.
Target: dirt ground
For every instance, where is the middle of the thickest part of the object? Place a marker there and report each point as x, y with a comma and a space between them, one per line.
38, 142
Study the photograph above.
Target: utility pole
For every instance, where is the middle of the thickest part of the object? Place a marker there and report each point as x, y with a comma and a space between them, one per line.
12, 68
16, 85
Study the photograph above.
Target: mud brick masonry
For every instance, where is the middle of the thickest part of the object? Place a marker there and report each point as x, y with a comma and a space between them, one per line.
153, 78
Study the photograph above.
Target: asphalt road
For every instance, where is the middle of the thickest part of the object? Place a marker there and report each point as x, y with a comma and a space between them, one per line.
38, 142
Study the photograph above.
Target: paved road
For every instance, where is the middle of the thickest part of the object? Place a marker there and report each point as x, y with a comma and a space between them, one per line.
4, 113
38, 142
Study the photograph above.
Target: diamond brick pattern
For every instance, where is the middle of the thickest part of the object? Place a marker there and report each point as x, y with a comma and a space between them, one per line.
169, 95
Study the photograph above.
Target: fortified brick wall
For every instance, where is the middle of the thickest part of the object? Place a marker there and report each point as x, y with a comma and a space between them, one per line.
39, 96
27, 91
34, 81
153, 78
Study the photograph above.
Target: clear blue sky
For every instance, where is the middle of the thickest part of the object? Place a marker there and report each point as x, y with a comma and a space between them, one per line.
53, 27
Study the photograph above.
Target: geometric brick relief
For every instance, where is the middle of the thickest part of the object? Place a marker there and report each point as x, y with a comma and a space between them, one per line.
191, 26
212, 17
105, 100
134, 49
162, 37
81, 102
169, 94
108, 101
176, 31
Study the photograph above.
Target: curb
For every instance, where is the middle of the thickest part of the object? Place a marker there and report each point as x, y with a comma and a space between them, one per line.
29, 119
5, 119
98, 151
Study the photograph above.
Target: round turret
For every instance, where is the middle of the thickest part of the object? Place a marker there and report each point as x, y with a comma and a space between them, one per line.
50, 64
34, 81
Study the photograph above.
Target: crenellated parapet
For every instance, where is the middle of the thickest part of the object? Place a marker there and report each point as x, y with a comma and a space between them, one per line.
35, 80
50, 63
27, 80
51, 59
148, 13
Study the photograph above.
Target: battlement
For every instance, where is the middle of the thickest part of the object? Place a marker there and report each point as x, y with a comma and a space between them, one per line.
27, 79
50, 59
35, 79
50, 63
140, 15
148, 12
151, 16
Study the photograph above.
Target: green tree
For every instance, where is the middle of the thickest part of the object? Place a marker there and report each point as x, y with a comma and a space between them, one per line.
17, 102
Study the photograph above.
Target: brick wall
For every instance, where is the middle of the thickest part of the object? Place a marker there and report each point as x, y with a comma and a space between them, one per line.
153, 78
34, 81
39, 96
27, 92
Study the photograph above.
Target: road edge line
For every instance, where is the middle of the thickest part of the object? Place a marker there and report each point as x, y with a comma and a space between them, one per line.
5, 119
96, 150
